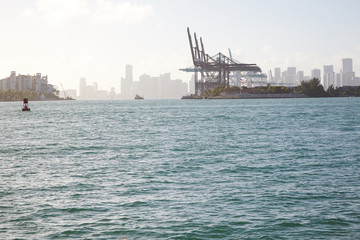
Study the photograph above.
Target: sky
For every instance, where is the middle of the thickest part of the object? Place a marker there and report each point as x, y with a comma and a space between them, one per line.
95, 39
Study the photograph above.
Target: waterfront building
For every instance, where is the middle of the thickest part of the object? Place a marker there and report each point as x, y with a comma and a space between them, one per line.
82, 88
21, 82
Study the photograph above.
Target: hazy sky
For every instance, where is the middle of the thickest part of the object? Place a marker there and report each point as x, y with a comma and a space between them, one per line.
70, 39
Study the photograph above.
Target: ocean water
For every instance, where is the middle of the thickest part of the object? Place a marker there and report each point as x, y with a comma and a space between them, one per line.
181, 169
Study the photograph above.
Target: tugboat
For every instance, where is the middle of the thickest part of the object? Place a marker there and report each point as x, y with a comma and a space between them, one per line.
25, 105
137, 97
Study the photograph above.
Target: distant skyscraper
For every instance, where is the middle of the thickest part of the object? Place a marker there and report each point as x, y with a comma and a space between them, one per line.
127, 82
348, 74
82, 88
291, 76
129, 73
329, 79
277, 75
299, 77
315, 73
112, 93
328, 69
192, 85
347, 65
270, 77
283, 77
291, 70
329, 76
337, 80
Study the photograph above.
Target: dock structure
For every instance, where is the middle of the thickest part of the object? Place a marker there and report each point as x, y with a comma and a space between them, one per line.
214, 70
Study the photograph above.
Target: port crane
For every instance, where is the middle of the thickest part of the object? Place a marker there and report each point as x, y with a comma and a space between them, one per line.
214, 70
63, 91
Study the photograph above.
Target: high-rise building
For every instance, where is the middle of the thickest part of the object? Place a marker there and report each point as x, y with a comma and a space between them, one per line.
348, 74
112, 93
277, 75
95, 86
329, 76
328, 69
192, 85
126, 83
337, 81
82, 88
129, 73
291, 76
315, 73
36, 83
347, 65
291, 71
299, 77
329, 79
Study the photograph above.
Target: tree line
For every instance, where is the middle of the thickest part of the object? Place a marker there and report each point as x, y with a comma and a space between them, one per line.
310, 88
16, 95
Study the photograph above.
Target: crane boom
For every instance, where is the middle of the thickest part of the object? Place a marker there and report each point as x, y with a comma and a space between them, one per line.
63, 90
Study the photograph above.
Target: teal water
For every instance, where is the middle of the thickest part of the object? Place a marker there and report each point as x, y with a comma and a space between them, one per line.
172, 169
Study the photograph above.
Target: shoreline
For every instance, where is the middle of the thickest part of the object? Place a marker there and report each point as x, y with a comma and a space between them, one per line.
39, 100
244, 95
256, 96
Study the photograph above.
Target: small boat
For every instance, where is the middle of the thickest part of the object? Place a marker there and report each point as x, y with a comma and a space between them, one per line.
137, 97
25, 105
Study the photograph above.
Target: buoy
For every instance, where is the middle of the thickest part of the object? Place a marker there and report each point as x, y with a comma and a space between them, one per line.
25, 105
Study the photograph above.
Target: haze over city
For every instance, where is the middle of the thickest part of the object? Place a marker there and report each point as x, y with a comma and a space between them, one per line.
95, 39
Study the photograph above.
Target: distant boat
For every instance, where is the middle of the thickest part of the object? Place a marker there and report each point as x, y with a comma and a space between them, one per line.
137, 97
25, 105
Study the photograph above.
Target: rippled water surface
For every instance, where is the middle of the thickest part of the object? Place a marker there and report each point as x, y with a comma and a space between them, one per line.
172, 169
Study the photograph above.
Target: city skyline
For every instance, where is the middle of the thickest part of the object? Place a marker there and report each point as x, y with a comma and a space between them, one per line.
162, 86
150, 87
72, 39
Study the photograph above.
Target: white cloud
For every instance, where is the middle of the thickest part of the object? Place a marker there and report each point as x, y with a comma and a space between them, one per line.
124, 12
59, 12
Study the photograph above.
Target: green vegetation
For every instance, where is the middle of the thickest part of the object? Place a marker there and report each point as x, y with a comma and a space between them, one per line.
260, 90
15, 95
310, 88
357, 91
332, 92
350, 91
313, 88
278, 89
